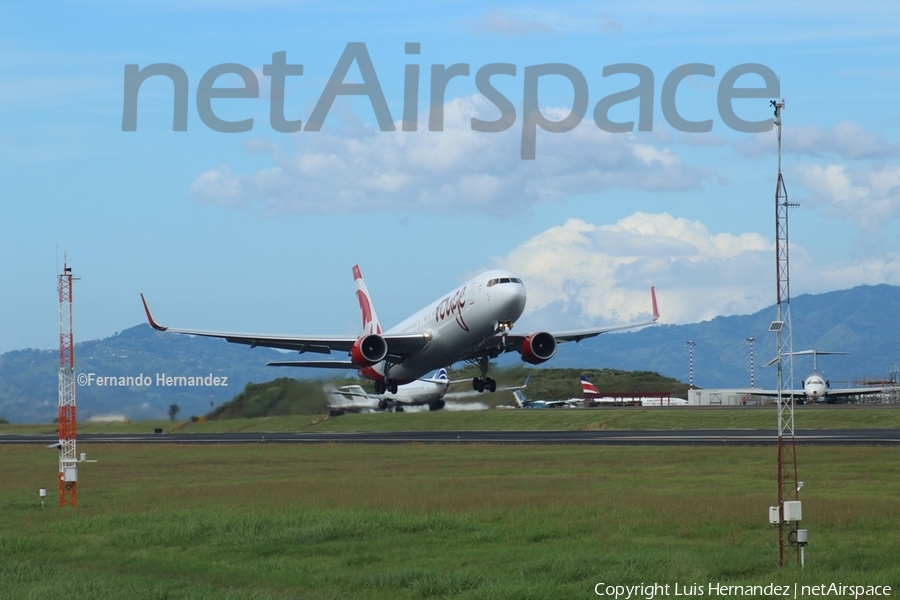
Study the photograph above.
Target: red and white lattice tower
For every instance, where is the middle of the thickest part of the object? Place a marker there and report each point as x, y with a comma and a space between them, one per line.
68, 463
788, 489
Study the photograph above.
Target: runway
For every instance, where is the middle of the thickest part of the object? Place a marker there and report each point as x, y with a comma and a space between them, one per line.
725, 437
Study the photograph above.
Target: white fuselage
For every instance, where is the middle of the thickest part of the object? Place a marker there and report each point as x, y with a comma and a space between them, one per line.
815, 387
457, 322
418, 392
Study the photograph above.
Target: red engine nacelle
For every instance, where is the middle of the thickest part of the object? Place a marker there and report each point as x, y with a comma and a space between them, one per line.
368, 350
538, 347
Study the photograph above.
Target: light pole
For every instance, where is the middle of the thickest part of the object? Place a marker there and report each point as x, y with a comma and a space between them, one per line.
690, 345
751, 340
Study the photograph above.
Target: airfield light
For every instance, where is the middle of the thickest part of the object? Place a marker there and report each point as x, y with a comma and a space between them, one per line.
43, 494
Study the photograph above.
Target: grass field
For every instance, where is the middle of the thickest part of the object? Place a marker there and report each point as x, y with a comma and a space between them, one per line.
806, 417
435, 521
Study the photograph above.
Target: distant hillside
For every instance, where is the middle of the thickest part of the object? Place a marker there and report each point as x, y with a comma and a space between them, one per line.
561, 384
29, 378
283, 396
863, 321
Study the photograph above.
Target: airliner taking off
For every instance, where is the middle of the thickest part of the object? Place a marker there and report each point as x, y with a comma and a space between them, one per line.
472, 323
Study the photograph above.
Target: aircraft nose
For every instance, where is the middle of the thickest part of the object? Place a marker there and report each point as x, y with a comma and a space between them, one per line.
514, 301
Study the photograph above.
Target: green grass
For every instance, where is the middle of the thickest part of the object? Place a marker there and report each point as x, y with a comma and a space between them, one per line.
434, 521
131, 427
633, 418
571, 419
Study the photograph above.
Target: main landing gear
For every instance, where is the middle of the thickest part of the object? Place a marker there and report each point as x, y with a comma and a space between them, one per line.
385, 386
480, 384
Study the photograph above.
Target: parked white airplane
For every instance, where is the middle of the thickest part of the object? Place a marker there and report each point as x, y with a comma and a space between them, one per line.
472, 323
815, 387
593, 395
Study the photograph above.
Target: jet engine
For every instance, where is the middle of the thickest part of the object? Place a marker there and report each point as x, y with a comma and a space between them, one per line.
368, 350
538, 347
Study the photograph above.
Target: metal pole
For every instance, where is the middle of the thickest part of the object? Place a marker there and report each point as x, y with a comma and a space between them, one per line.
690, 345
751, 340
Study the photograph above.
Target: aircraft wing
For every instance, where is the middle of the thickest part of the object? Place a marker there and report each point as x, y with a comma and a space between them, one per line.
832, 393
859, 391
399, 345
512, 342
770, 393
356, 394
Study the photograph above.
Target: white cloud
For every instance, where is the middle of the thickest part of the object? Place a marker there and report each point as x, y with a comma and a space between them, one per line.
507, 23
870, 198
846, 274
846, 140
453, 171
583, 274
580, 274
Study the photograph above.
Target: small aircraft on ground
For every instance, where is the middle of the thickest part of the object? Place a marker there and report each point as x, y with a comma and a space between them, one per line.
523, 402
427, 391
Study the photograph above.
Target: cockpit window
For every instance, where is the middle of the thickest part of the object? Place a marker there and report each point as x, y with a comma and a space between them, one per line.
500, 280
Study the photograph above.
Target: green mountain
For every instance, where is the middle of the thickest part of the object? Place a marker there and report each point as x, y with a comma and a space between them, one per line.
138, 372
283, 396
863, 321
286, 396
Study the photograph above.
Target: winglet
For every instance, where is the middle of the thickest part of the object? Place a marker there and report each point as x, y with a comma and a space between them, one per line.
150, 320
655, 308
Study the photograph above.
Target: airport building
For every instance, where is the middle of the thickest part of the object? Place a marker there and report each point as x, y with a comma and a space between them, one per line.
723, 397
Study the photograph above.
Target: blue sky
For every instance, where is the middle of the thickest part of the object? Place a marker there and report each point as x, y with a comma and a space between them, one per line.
258, 231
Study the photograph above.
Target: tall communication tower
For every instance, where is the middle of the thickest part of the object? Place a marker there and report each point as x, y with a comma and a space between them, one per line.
788, 486
68, 463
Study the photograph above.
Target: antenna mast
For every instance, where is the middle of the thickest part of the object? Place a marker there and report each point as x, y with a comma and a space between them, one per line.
787, 458
68, 463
